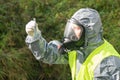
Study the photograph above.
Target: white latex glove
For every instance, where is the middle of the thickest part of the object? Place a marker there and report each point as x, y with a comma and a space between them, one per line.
31, 28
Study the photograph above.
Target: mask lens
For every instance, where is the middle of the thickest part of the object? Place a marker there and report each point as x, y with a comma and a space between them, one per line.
69, 32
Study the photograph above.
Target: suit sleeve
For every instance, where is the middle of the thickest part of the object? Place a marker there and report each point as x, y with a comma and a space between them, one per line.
109, 69
44, 51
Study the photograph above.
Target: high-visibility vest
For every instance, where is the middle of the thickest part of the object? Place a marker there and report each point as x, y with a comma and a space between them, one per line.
87, 69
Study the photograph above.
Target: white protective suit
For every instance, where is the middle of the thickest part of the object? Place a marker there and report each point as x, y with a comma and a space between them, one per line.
48, 52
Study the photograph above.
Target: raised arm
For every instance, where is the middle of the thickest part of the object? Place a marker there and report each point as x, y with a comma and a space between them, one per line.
41, 49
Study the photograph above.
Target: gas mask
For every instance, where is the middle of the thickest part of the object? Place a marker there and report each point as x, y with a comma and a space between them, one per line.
69, 34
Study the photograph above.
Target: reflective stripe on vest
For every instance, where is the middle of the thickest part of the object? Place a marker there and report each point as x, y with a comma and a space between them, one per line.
87, 69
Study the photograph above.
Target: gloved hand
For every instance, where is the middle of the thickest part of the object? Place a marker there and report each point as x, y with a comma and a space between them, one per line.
32, 28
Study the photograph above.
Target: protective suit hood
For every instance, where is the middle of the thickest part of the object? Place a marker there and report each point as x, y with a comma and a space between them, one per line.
90, 20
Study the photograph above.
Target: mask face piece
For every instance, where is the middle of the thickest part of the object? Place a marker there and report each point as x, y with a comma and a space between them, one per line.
70, 34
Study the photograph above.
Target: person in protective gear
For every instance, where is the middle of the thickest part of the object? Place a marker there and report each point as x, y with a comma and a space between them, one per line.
89, 55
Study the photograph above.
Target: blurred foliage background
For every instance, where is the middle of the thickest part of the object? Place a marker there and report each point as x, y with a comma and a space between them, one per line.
17, 62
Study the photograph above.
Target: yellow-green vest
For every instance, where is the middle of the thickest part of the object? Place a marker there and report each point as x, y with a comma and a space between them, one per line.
87, 69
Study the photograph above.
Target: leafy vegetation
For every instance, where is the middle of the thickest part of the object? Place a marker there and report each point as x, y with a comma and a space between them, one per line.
17, 62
